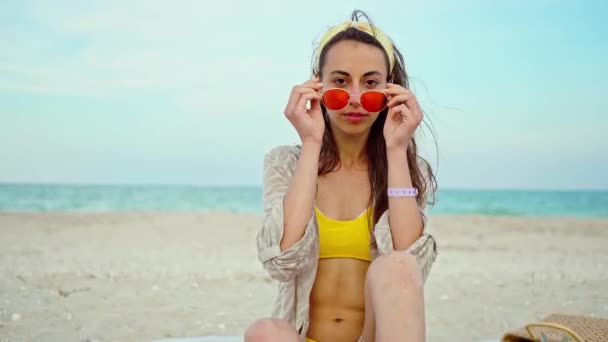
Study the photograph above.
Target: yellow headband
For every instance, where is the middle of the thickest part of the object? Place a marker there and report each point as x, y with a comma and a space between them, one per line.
384, 40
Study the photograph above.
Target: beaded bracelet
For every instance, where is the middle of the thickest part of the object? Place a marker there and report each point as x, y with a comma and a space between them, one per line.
402, 192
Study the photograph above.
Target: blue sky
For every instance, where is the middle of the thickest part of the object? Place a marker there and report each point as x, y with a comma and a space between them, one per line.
190, 93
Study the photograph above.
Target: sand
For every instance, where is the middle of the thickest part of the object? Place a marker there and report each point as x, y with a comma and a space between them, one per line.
146, 276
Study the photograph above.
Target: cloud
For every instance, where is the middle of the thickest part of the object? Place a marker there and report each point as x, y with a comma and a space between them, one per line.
137, 45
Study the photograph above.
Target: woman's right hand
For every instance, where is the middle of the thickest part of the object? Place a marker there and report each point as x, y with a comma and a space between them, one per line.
308, 123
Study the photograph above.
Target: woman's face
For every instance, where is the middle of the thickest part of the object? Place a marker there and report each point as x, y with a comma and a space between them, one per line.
355, 67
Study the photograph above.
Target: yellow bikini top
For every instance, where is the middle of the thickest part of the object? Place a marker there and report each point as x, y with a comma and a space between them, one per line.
344, 239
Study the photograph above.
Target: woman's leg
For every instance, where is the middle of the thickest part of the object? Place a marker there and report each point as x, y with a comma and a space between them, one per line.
394, 287
270, 330
369, 325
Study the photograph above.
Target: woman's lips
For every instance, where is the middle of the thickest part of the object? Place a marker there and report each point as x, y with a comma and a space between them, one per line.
355, 117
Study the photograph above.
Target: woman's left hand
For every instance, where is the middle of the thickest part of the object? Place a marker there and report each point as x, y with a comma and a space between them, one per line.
403, 116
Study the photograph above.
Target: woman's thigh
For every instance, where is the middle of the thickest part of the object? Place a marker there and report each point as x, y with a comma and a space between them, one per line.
271, 329
394, 299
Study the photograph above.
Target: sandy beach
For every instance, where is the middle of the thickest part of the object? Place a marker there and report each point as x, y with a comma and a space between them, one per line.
145, 276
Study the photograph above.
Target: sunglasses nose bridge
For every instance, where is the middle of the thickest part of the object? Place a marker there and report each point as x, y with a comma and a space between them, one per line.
355, 95
355, 91
355, 100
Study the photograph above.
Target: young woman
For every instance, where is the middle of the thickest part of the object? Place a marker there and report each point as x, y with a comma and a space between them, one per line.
344, 229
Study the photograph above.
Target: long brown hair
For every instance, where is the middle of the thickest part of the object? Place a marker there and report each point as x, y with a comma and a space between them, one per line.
329, 158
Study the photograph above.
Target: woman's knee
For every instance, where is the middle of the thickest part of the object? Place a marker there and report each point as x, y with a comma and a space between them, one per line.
266, 329
395, 269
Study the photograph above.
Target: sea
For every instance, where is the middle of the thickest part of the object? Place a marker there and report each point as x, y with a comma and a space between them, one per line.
248, 199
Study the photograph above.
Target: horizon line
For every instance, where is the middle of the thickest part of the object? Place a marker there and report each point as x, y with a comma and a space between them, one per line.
201, 185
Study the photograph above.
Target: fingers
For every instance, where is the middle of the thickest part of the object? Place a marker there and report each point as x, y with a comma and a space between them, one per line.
398, 94
398, 99
311, 86
309, 96
296, 93
315, 105
400, 112
392, 87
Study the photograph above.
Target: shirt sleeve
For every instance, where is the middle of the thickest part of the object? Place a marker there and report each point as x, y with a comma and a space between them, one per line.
279, 164
424, 248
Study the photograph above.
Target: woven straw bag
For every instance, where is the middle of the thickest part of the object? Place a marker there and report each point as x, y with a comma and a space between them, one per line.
560, 327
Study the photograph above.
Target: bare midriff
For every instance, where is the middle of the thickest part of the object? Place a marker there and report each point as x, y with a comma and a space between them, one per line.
337, 300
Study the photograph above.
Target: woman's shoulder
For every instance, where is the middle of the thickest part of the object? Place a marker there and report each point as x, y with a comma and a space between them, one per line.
284, 153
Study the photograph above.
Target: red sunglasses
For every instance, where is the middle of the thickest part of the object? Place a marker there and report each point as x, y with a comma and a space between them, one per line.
372, 100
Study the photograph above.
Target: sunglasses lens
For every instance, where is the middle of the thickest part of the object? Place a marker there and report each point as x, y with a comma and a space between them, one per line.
335, 99
373, 101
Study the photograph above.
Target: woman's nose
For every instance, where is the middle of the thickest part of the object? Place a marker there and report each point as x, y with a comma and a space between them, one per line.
355, 91
354, 97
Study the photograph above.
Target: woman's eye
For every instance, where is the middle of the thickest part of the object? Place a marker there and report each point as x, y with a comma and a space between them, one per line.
339, 81
372, 83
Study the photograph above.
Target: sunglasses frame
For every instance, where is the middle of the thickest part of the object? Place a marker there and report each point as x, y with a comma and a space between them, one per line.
359, 98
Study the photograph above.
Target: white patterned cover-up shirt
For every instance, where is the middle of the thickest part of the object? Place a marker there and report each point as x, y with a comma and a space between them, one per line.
296, 267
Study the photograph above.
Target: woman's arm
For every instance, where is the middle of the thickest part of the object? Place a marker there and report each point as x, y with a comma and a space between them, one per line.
424, 248
300, 199
418, 240
288, 198
405, 219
